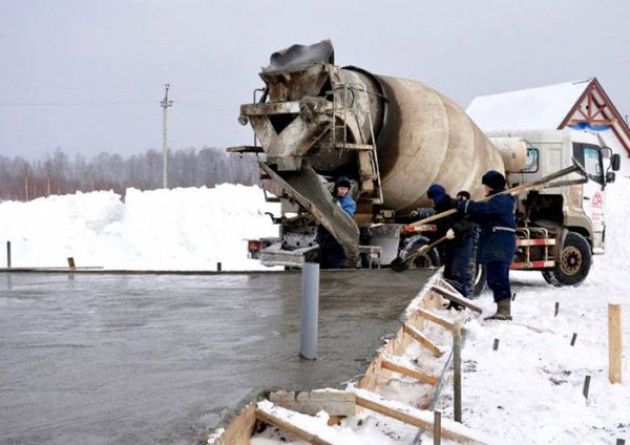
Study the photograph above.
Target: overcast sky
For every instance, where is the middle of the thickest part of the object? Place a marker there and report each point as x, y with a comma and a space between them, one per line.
88, 76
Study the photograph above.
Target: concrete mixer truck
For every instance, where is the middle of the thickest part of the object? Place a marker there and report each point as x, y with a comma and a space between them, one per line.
314, 121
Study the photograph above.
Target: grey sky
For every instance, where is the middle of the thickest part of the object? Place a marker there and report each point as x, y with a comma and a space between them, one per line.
88, 76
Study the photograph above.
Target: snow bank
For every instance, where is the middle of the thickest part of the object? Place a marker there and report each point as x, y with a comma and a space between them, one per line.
180, 229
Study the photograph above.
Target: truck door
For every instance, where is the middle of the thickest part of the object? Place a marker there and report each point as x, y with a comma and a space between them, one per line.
590, 156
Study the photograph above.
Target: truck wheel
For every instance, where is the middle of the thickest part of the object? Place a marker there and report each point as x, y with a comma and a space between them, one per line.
427, 260
573, 262
431, 259
550, 278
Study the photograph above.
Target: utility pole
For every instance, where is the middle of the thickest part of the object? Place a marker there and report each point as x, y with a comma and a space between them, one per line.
165, 104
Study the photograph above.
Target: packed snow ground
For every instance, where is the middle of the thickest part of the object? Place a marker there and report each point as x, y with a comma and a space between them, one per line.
527, 391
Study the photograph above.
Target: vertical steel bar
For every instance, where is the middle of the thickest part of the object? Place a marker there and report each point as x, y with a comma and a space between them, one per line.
309, 311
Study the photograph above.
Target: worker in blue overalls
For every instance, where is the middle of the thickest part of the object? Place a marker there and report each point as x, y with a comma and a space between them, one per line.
331, 254
497, 242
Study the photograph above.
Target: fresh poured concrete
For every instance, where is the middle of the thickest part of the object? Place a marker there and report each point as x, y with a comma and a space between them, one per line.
145, 359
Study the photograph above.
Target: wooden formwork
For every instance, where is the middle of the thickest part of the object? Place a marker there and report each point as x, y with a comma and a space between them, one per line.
281, 406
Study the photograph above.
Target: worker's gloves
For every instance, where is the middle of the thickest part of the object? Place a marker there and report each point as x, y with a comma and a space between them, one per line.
450, 234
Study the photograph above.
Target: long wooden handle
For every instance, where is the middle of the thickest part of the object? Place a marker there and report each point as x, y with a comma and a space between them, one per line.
425, 248
513, 191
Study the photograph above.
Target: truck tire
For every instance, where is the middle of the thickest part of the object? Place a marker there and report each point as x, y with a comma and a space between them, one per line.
573, 262
427, 260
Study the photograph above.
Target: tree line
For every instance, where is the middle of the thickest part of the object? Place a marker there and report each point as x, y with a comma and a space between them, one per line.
57, 174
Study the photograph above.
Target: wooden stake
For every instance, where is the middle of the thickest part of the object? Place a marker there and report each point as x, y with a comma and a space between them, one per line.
573, 338
437, 428
496, 344
615, 343
71, 262
587, 383
555, 314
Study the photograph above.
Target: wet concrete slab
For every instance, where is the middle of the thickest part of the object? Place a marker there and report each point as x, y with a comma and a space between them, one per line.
145, 359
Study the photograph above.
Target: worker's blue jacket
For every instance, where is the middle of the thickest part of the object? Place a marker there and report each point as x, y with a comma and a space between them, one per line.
496, 220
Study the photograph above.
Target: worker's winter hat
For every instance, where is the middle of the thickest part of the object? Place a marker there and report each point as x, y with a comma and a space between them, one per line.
342, 181
435, 192
493, 179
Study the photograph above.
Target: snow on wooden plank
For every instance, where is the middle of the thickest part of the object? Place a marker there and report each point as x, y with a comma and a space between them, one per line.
456, 298
301, 426
413, 416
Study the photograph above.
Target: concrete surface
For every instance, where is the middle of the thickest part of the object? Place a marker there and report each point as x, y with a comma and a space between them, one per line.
145, 359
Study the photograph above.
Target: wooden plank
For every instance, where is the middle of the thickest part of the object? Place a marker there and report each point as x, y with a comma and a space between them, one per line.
423, 340
387, 362
452, 296
435, 318
239, 431
416, 417
270, 416
615, 343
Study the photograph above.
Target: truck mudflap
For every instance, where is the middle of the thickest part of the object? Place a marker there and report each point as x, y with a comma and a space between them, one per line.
307, 189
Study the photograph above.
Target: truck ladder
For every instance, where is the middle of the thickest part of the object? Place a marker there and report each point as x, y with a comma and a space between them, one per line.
369, 171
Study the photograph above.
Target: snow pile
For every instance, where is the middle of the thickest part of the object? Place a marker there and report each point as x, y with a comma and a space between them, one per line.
180, 229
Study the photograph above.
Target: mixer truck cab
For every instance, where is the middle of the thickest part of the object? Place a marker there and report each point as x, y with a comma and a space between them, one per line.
562, 223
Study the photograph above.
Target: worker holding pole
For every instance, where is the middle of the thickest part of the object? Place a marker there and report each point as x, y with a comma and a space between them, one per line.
457, 249
497, 242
